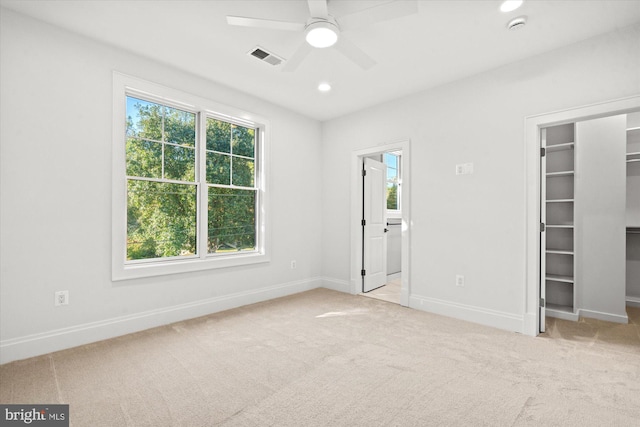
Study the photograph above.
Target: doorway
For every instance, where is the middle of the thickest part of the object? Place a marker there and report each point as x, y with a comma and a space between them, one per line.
401, 223
535, 306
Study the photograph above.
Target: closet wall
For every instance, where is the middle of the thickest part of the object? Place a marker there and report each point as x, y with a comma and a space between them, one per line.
600, 217
633, 210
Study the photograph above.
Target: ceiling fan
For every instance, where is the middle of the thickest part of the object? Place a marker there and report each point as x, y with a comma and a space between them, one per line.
323, 30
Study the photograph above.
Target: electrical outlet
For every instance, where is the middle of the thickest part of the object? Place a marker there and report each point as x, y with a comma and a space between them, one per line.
293, 264
460, 280
61, 298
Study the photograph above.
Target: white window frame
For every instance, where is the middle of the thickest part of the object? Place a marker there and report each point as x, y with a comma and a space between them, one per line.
122, 269
396, 212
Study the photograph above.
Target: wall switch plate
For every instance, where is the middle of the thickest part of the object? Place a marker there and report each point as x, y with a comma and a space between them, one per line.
293, 264
464, 169
459, 280
61, 298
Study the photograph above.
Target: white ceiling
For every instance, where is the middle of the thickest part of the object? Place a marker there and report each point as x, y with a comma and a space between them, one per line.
444, 42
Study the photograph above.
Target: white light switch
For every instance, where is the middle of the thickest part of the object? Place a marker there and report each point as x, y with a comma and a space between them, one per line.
464, 169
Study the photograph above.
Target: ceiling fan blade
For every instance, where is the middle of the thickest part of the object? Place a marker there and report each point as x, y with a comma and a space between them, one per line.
297, 57
318, 8
384, 12
354, 53
264, 23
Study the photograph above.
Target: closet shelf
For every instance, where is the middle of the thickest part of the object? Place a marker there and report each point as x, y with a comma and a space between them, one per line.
559, 251
560, 147
560, 201
559, 196
633, 160
561, 173
559, 278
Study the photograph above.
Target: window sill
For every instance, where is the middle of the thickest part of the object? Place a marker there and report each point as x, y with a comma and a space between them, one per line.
123, 271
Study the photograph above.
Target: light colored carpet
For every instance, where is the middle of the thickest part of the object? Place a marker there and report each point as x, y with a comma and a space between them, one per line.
324, 358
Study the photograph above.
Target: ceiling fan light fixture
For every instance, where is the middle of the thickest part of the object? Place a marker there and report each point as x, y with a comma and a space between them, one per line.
322, 34
510, 5
324, 87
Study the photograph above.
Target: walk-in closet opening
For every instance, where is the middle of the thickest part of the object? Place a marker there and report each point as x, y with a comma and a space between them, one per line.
589, 210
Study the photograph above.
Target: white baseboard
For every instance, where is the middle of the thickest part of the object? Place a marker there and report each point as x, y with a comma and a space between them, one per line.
394, 276
61, 339
531, 325
336, 284
633, 301
603, 316
483, 316
564, 315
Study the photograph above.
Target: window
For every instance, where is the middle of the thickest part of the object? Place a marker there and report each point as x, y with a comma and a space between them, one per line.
232, 193
161, 180
189, 182
392, 160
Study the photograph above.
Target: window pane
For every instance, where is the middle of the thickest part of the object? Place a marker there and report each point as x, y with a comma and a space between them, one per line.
218, 169
231, 220
243, 172
144, 158
144, 119
179, 163
392, 196
391, 160
161, 220
392, 174
218, 136
179, 127
243, 140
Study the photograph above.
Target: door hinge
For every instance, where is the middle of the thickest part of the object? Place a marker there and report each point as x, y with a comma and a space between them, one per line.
543, 152
363, 222
541, 302
542, 227
363, 272
364, 172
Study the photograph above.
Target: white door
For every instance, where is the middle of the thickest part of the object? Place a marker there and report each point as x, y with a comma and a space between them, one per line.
543, 222
374, 210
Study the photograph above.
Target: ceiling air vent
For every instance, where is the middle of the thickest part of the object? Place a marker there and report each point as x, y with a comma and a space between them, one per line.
265, 56
517, 23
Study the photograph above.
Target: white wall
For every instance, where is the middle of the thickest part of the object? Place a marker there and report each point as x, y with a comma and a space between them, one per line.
56, 198
471, 224
600, 217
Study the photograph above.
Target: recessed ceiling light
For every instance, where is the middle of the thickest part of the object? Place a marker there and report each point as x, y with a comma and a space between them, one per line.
324, 87
322, 34
510, 5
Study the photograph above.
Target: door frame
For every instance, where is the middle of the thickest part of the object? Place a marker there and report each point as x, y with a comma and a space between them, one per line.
533, 126
357, 160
